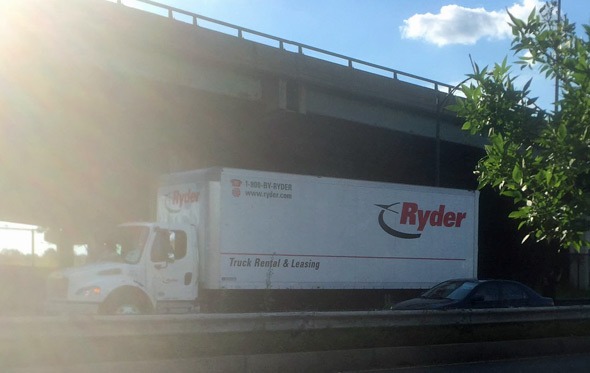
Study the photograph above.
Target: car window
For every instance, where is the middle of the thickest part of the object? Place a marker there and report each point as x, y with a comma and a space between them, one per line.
487, 292
450, 290
462, 291
513, 292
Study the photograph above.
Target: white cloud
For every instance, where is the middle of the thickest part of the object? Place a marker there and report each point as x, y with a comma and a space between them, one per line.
459, 25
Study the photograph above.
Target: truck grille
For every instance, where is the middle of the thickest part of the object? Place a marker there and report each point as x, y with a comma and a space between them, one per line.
57, 288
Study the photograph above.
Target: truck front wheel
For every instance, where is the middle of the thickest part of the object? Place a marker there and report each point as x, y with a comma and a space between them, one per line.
126, 302
127, 308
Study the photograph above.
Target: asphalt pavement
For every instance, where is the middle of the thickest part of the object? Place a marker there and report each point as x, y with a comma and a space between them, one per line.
547, 364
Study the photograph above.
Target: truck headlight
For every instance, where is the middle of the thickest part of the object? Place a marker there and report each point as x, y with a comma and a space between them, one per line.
89, 291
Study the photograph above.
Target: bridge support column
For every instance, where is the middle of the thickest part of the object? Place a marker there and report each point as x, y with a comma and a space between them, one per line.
65, 250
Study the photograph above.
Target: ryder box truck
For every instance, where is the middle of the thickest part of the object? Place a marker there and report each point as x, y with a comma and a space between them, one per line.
225, 234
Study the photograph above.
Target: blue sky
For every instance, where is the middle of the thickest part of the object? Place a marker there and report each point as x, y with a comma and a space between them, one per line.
430, 38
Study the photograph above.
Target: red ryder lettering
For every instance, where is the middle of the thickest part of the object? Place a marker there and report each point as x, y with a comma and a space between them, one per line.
436, 218
180, 199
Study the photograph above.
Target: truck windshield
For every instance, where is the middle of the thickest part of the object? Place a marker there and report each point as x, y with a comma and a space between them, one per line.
124, 244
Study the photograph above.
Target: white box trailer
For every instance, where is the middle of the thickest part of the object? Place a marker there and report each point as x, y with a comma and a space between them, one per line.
237, 232
268, 230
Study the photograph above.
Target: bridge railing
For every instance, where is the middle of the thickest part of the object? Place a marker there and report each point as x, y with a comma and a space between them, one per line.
283, 44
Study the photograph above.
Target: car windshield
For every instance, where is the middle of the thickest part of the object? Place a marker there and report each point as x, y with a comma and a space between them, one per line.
450, 290
124, 244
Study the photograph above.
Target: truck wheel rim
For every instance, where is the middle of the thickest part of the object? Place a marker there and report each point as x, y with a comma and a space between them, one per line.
127, 309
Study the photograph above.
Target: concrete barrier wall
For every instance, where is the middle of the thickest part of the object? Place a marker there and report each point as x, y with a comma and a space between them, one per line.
340, 360
285, 341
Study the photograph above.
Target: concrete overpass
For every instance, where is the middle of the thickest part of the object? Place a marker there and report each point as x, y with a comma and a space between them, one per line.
98, 99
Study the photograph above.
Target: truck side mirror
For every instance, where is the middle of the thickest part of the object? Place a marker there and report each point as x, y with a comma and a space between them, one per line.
170, 258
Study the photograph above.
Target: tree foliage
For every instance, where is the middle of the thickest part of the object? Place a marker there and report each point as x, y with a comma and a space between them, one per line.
541, 159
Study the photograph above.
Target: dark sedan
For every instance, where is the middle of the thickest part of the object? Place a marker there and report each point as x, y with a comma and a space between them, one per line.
471, 293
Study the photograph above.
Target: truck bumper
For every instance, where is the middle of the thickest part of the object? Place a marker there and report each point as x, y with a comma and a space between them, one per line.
61, 307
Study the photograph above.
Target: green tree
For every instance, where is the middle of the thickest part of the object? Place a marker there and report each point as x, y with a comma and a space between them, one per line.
540, 159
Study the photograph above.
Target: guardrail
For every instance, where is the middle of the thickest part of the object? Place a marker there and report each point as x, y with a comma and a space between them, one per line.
113, 326
289, 342
352, 63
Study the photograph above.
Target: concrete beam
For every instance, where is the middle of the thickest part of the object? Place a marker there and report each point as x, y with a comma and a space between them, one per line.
177, 53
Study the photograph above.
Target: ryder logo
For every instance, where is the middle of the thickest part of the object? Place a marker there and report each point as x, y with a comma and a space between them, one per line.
176, 200
236, 192
417, 220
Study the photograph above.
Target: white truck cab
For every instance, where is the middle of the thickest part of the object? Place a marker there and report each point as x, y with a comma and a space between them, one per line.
141, 267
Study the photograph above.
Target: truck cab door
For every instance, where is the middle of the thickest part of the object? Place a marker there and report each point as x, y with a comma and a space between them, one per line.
172, 265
